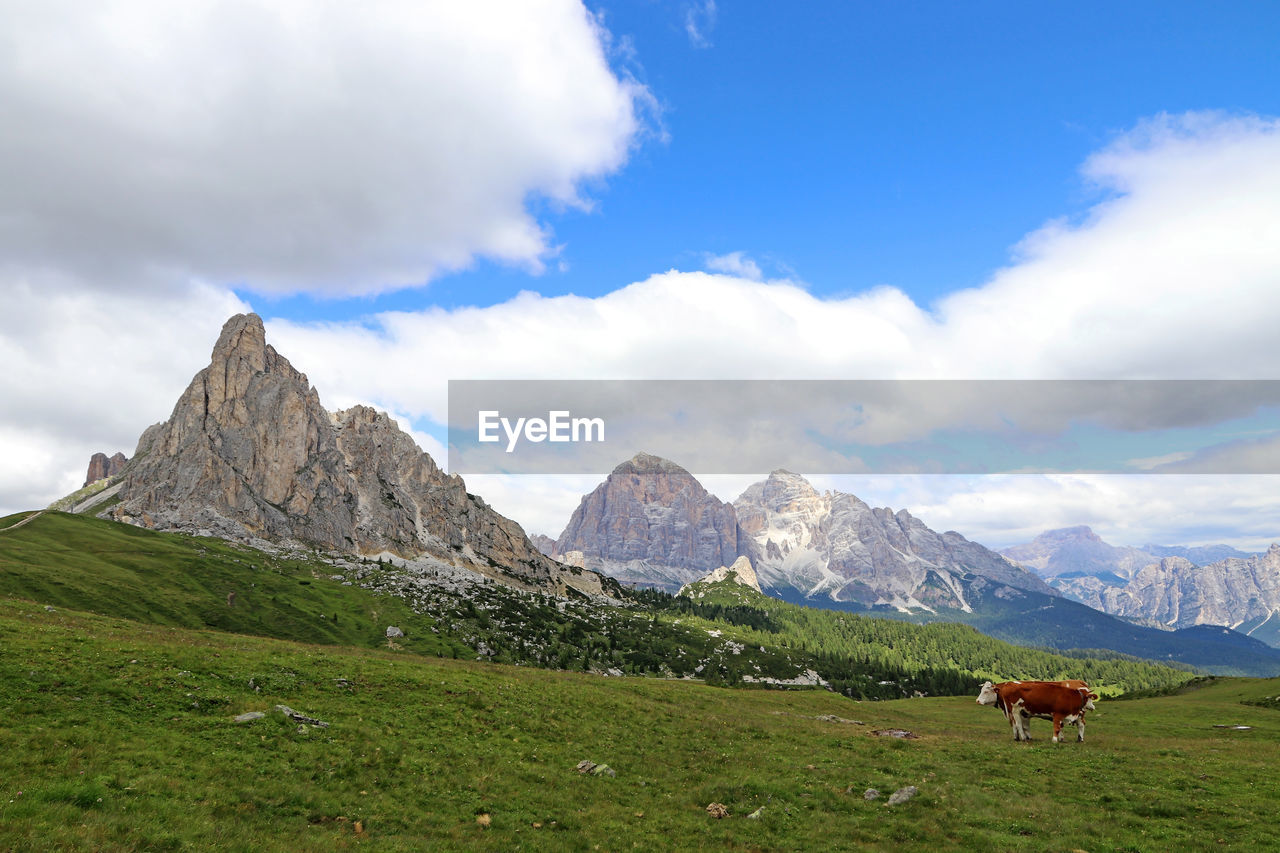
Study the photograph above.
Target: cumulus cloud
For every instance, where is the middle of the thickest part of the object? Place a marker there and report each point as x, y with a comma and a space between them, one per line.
291, 146
1164, 509
87, 371
735, 264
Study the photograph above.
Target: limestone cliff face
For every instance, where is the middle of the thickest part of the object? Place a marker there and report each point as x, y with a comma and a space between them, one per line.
250, 452
101, 467
652, 522
1178, 593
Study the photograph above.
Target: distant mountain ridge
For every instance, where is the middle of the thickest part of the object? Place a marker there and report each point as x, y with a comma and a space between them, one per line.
1240, 591
1078, 551
648, 520
652, 523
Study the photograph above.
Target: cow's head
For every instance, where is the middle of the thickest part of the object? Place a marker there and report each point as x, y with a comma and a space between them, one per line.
1088, 698
987, 695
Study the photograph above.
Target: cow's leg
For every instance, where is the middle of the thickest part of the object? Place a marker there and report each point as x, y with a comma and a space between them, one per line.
1024, 725
1080, 728
1057, 726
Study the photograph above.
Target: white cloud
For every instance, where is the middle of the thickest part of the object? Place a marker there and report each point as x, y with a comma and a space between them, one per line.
699, 21
287, 146
87, 371
734, 263
1163, 509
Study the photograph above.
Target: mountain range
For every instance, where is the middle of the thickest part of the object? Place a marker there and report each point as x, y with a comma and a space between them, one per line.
250, 455
1173, 586
651, 523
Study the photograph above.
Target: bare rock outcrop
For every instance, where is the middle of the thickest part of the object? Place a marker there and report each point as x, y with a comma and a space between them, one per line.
250, 452
740, 572
544, 543
1178, 593
102, 467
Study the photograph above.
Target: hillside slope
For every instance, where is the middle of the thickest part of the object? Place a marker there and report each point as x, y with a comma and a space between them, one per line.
172, 579
120, 736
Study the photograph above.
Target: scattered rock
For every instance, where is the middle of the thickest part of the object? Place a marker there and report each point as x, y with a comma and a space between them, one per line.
594, 769
901, 733
48, 608
604, 770
1233, 728
755, 815
717, 810
902, 795
832, 718
871, 794
393, 632
299, 717
250, 717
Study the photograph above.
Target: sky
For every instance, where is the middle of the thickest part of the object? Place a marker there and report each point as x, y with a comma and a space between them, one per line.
411, 193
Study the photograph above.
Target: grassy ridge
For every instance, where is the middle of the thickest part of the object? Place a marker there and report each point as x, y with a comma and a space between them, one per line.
118, 736
168, 579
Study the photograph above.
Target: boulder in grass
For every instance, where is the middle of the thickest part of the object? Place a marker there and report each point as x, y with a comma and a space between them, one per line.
902, 795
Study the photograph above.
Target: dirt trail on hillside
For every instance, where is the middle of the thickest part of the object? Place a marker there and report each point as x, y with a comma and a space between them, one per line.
31, 517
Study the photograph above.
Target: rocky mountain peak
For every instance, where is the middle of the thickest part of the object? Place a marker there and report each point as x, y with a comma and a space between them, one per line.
781, 491
647, 463
249, 452
650, 510
834, 545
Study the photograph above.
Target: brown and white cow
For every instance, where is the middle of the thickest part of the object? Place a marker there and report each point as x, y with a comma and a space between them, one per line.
1061, 701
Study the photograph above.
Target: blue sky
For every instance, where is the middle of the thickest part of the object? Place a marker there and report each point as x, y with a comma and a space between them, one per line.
413, 193
850, 145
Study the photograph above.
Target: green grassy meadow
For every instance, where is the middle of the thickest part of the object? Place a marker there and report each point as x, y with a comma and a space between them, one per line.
118, 735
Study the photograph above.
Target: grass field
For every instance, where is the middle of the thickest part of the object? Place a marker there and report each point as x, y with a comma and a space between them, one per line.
116, 735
